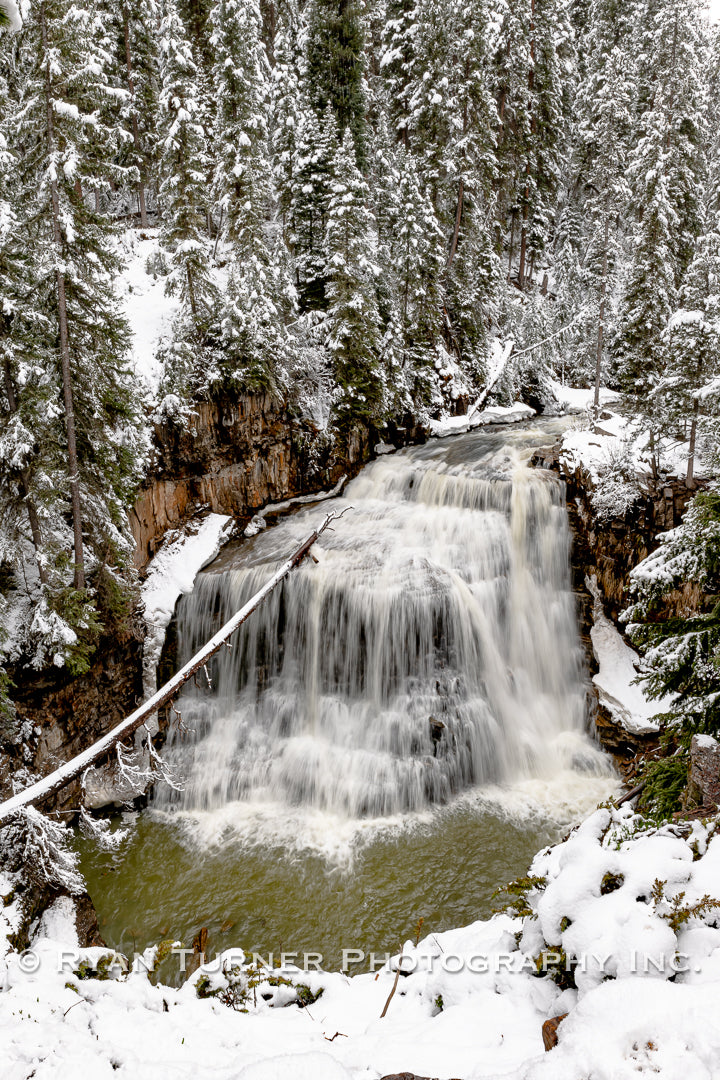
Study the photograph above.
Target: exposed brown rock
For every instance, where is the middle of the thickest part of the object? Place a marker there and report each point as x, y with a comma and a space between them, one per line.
549, 1031
610, 550
237, 455
703, 792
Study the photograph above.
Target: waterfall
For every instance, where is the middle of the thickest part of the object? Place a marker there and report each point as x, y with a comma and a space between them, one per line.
433, 647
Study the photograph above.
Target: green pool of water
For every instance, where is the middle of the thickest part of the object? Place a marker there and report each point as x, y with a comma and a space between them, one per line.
163, 882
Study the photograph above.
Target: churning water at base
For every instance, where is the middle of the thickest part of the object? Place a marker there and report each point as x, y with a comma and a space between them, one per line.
432, 648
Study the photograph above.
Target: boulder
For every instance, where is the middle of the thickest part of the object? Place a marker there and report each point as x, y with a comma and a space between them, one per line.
549, 1031
704, 782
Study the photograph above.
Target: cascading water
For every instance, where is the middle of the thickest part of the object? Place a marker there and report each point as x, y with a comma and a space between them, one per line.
433, 647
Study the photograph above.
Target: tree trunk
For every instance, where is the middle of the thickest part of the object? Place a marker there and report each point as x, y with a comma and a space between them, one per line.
135, 127
78, 765
79, 577
458, 219
512, 245
533, 128
24, 483
601, 316
523, 244
693, 438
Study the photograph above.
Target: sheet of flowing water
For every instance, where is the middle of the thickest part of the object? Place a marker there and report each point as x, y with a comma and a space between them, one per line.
393, 734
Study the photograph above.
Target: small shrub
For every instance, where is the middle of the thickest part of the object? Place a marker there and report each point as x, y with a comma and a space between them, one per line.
517, 893
305, 996
610, 883
665, 782
679, 914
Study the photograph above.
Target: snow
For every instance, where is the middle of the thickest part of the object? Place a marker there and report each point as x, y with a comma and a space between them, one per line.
257, 523
495, 414
472, 1006
580, 399
617, 441
172, 574
149, 311
619, 664
12, 11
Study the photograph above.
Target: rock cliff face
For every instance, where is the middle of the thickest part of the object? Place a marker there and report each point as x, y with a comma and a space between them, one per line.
609, 550
68, 714
239, 454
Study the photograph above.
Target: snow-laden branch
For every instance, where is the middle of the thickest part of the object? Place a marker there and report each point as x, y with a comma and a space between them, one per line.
77, 765
494, 378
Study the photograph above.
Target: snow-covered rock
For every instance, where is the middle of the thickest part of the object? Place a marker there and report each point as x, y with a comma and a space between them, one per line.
494, 414
619, 670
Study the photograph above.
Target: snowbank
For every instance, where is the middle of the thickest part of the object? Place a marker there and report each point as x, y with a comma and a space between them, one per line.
616, 681
616, 911
171, 574
149, 311
616, 445
494, 414
580, 399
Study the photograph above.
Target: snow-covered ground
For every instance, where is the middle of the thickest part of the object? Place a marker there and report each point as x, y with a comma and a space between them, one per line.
148, 310
494, 414
170, 575
616, 444
611, 903
580, 399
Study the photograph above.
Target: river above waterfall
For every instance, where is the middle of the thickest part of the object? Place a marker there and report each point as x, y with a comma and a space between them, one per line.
392, 735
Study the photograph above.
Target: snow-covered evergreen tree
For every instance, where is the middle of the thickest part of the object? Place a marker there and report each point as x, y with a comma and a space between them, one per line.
335, 66
690, 389
183, 169
535, 75
315, 147
352, 322
606, 107
66, 353
139, 73
665, 179
680, 638
242, 86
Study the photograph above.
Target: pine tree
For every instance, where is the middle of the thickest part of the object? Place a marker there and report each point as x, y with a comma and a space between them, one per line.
66, 334
605, 103
315, 147
183, 166
534, 83
690, 389
682, 649
139, 64
335, 66
399, 63
352, 323
665, 176
242, 84
417, 260
65, 86
287, 75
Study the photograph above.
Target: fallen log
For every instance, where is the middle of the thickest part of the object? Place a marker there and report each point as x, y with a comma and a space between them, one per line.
71, 769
